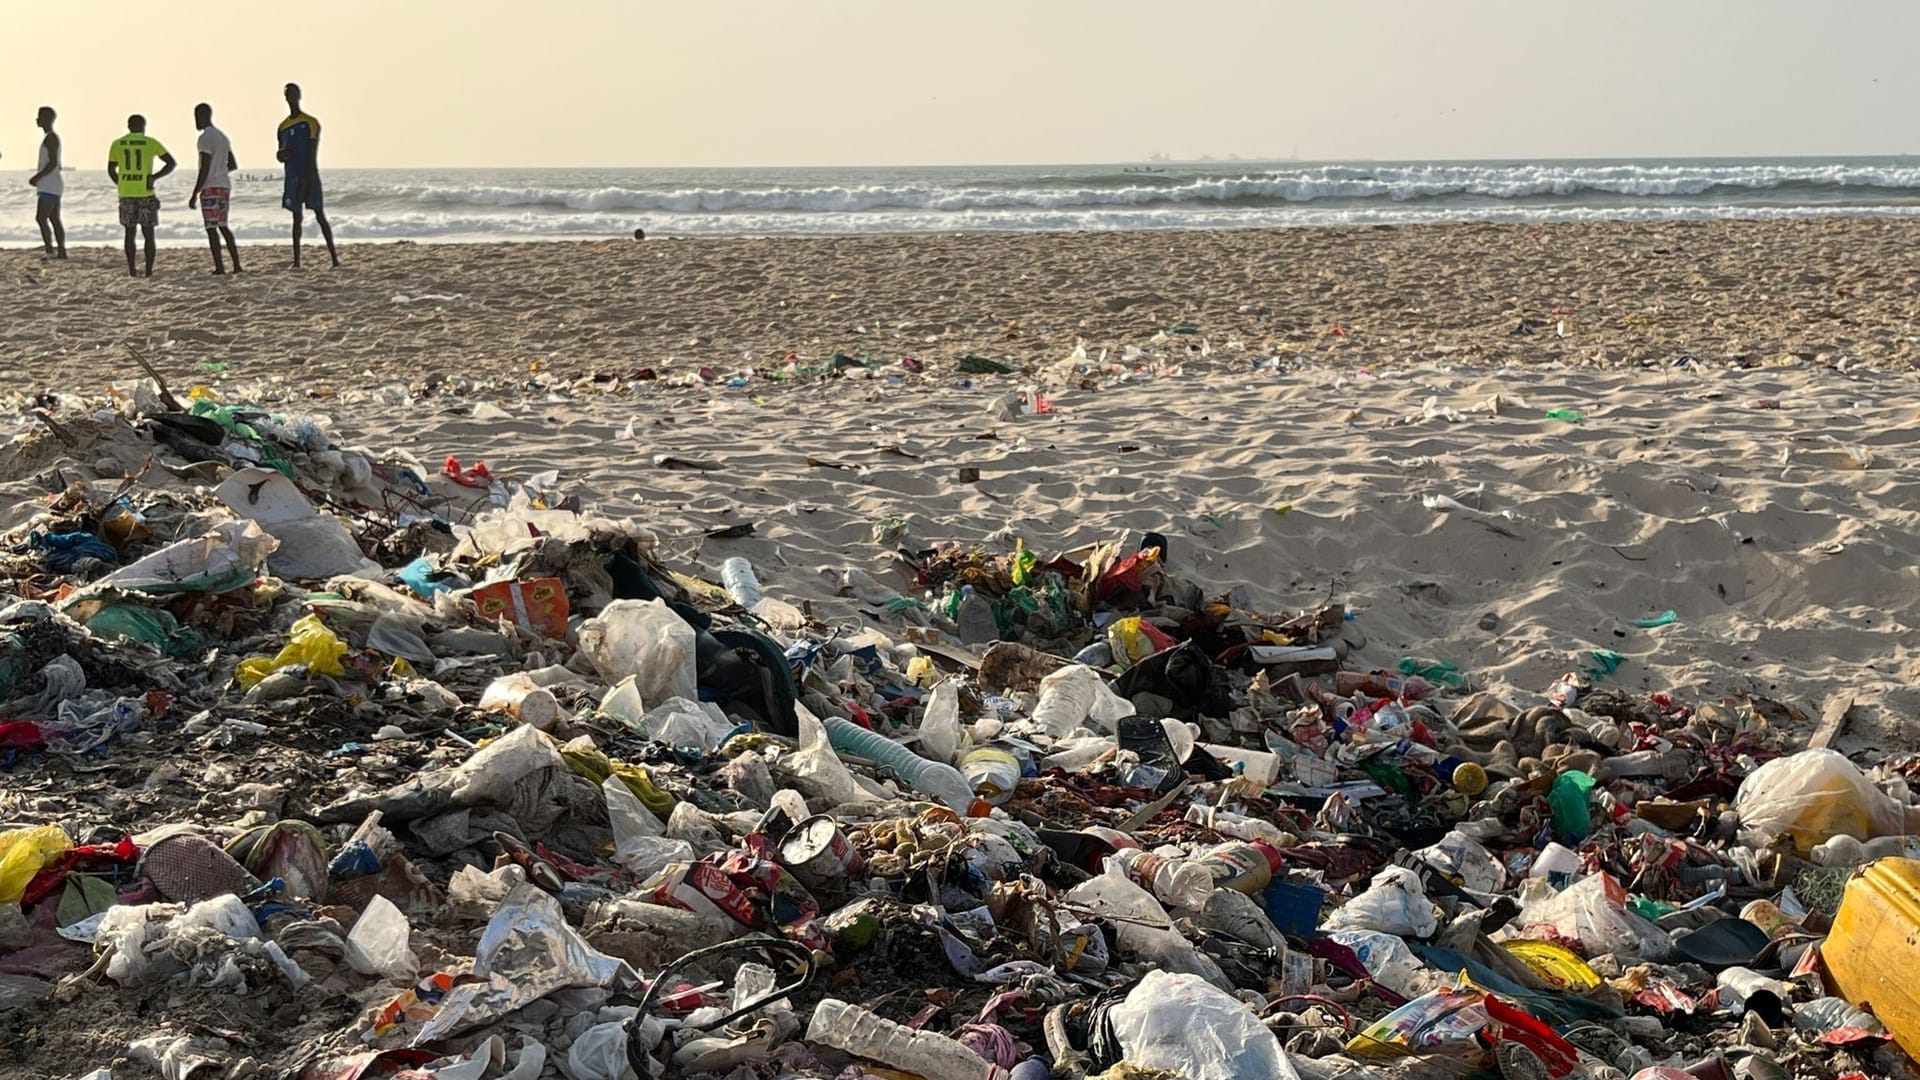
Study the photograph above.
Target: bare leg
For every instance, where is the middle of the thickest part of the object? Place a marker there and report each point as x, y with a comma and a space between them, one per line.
59, 234
232, 248
296, 238
146, 233
131, 272
45, 222
326, 231
213, 241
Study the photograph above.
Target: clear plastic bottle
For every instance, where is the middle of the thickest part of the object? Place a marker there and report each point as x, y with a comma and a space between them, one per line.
1821, 1015
932, 778
1173, 878
737, 575
1241, 827
863, 1034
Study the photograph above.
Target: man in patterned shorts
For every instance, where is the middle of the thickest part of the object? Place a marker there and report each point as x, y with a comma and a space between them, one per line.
130, 166
213, 187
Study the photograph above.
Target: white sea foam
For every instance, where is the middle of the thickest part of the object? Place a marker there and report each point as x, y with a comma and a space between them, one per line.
1396, 183
529, 204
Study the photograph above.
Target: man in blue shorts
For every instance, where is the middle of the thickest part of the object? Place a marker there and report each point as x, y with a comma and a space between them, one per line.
300, 152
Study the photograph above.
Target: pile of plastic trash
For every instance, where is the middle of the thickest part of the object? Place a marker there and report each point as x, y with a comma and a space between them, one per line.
329, 764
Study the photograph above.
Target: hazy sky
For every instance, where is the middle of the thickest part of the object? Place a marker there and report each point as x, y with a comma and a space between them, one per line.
831, 82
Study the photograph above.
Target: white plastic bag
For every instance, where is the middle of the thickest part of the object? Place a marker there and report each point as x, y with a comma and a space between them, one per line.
1394, 903
644, 639
223, 913
940, 734
1593, 912
1181, 1024
226, 558
1459, 855
1813, 796
639, 838
600, 1053
1143, 926
380, 942
313, 546
679, 722
825, 777
1075, 694
1388, 960
623, 703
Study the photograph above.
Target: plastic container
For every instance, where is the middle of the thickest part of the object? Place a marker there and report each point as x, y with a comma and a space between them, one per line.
993, 774
519, 697
1241, 827
1239, 866
737, 575
931, 778
1258, 766
928, 1054
1557, 863
1294, 909
1173, 879
1874, 947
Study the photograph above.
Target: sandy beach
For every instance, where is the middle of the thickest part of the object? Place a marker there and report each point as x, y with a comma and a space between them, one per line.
1728, 488
1751, 293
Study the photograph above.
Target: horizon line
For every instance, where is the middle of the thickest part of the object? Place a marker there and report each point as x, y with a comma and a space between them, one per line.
1148, 161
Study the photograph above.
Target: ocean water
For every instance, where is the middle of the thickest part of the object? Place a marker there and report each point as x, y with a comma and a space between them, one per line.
552, 204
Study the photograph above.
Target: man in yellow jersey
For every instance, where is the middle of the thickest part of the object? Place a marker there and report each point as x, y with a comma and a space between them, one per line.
130, 166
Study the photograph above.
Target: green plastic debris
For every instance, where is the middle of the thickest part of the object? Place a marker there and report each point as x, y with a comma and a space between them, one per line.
1572, 817
1650, 909
1665, 618
1605, 662
973, 364
1438, 671
230, 419
1183, 328
136, 622
1571, 416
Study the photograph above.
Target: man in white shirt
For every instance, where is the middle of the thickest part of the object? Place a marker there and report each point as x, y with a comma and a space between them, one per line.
48, 185
213, 189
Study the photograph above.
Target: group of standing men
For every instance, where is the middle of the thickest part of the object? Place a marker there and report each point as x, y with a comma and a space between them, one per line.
137, 161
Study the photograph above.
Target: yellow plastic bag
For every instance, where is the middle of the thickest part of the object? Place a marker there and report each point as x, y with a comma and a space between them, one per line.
311, 643
23, 852
590, 762
1556, 964
1133, 639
